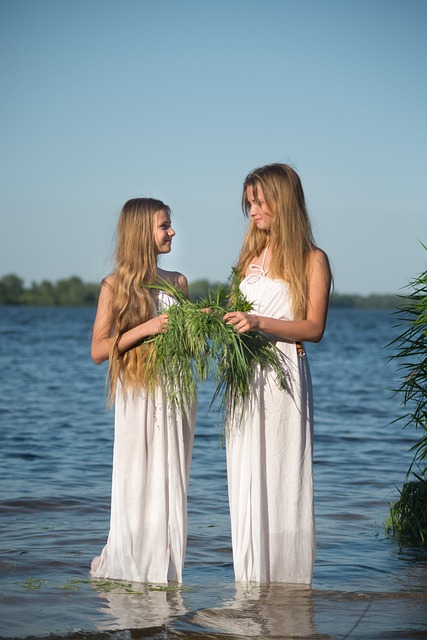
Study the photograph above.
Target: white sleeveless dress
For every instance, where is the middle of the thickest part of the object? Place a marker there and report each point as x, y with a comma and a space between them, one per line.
151, 467
269, 461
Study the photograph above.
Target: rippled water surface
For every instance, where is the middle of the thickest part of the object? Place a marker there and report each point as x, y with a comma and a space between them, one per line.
55, 470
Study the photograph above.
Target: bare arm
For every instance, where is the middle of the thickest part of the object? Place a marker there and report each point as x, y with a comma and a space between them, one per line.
101, 337
312, 328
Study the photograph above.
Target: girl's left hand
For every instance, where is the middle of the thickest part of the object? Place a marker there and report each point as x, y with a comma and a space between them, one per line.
242, 322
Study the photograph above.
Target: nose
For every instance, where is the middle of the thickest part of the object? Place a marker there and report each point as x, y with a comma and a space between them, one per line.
171, 232
253, 210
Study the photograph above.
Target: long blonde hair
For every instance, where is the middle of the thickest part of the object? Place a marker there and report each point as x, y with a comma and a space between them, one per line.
290, 235
132, 303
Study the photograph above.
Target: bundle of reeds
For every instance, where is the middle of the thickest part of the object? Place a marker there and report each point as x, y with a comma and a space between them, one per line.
198, 343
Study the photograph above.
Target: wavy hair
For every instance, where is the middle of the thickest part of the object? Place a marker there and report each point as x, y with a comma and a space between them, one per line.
132, 303
290, 235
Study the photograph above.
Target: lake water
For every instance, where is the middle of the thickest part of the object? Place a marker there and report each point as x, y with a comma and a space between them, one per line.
55, 470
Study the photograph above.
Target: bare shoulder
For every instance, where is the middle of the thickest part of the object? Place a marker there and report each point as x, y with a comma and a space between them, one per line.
107, 286
317, 258
319, 270
109, 280
103, 313
175, 278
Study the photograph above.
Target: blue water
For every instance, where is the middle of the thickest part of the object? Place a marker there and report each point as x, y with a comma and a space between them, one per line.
55, 470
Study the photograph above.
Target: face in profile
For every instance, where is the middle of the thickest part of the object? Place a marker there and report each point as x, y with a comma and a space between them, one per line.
163, 232
258, 210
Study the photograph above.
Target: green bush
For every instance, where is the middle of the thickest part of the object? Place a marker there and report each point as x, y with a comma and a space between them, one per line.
408, 516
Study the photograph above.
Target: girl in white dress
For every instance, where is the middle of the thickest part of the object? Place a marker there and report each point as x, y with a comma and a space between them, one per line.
269, 448
153, 440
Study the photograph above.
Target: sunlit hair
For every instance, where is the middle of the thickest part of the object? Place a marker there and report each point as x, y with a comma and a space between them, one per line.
290, 235
132, 304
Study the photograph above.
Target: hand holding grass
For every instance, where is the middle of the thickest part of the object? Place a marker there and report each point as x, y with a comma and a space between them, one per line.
242, 322
158, 324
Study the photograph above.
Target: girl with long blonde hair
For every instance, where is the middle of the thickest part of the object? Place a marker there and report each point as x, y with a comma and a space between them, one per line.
287, 279
153, 441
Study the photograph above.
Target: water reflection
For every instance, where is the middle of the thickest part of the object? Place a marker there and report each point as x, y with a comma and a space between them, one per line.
137, 606
287, 612
279, 611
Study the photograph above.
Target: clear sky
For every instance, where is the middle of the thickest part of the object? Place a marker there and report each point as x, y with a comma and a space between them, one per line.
104, 100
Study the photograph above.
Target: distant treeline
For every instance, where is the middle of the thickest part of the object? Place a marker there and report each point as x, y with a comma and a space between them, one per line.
73, 292
200, 288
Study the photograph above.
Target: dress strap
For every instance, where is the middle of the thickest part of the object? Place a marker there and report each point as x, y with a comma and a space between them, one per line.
258, 270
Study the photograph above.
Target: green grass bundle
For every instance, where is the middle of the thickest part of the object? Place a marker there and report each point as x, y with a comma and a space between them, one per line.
198, 344
238, 355
180, 357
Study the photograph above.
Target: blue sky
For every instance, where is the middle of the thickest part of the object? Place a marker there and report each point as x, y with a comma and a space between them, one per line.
105, 100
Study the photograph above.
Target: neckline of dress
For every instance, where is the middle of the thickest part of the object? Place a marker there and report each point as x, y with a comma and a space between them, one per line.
258, 270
